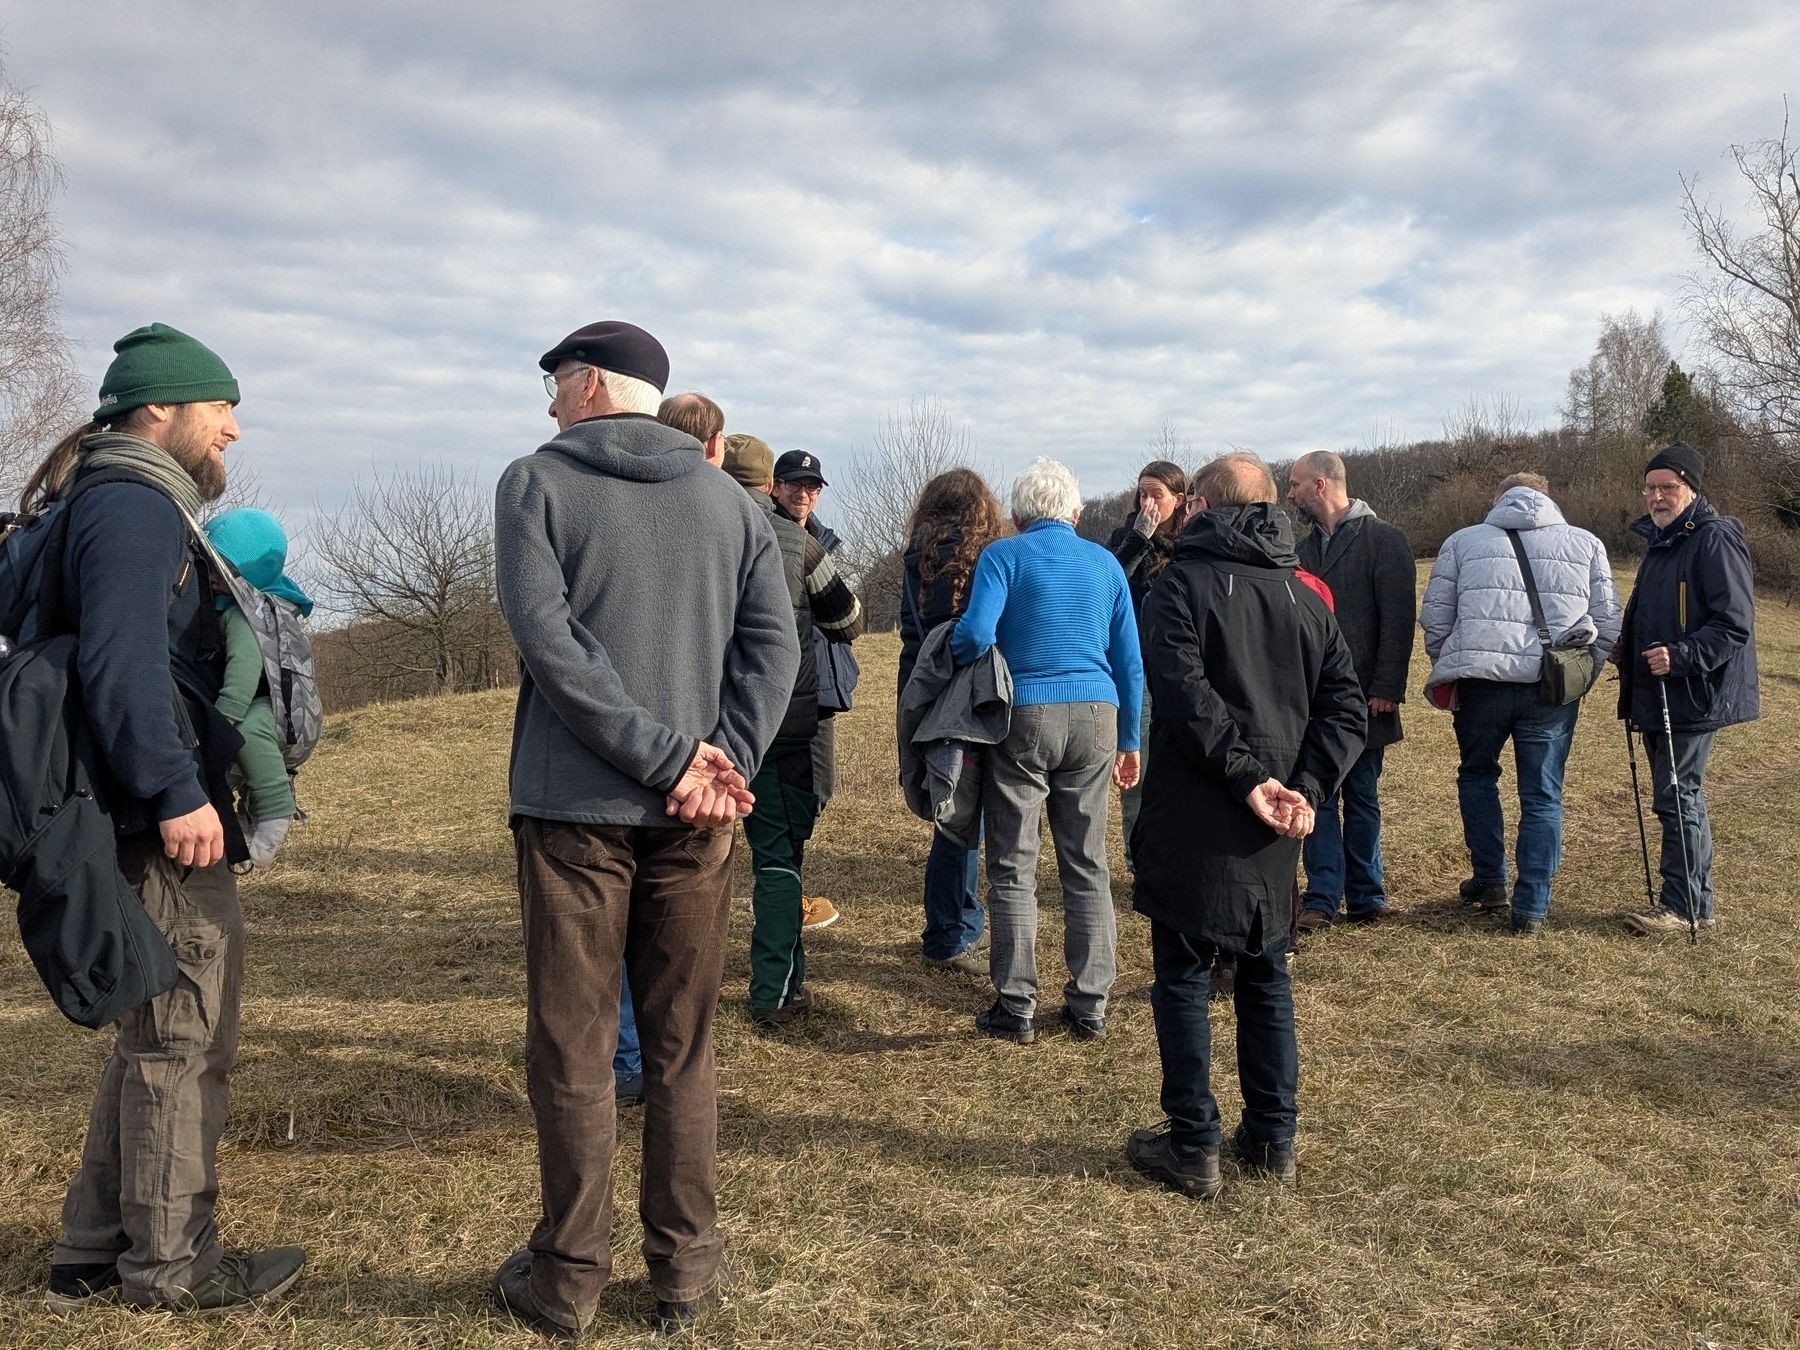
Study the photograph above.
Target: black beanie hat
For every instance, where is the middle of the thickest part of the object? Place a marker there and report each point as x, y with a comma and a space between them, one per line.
1680, 458
623, 348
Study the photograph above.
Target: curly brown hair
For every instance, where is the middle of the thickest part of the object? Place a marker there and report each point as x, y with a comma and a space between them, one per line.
956, 505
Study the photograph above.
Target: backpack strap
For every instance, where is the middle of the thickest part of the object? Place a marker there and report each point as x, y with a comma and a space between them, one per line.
1531, 590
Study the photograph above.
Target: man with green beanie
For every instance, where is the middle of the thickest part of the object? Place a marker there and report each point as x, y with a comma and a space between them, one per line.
137, 592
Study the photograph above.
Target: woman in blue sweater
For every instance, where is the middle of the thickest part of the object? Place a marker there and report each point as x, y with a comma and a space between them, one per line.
1060, 611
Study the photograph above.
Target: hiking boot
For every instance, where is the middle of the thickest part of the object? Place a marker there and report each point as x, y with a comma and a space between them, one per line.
1312, 920
1661, 919
817, 912
675, 1315
242, 1280
1523, 926
966, 962
77, 1284
1224, 980
799, 1004
1195, 1173
1089, 1028
512, 1291
1483, 894
999, 1023
1273, 1157
628, 1089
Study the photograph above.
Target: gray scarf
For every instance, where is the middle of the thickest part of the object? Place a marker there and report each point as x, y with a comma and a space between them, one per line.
117, 450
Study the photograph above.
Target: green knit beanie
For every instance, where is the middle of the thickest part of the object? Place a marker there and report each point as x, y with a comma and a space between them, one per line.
160, 364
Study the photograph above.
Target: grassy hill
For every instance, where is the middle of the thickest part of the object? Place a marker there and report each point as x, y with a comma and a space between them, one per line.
1583, 1139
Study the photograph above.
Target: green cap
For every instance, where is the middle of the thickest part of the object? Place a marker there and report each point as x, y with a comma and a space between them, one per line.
160, 364
749, 460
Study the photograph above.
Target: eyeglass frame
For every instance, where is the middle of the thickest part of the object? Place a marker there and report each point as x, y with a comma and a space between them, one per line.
1665, 489
552, 379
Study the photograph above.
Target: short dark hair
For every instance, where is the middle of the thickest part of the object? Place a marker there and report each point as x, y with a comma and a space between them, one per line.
693, 413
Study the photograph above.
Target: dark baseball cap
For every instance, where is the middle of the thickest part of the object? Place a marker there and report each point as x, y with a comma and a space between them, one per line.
623, 348
800, 464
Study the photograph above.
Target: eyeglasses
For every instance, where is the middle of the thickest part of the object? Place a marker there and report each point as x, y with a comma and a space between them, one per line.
811, 489
1663, 489
552, 380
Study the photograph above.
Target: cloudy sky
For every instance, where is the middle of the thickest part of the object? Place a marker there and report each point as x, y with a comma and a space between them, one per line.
1278, 226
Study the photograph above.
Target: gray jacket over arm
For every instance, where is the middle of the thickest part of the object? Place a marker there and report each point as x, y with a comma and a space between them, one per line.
646, 596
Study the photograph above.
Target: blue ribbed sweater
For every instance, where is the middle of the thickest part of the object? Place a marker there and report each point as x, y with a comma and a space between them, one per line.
1059, 610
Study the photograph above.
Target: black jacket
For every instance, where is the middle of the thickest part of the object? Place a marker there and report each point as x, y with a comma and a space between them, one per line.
1694, 595
922, 610
1374, 591
834, 662
1143, 557
802, 720
1249, 679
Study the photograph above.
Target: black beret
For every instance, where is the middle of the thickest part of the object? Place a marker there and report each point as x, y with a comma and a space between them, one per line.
1680, 458
800, 464
623, 348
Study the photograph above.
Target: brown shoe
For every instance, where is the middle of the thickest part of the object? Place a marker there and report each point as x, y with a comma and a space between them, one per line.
1312, 920
817, 912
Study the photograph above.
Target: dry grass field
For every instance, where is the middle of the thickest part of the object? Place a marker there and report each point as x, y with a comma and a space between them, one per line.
1585, 1139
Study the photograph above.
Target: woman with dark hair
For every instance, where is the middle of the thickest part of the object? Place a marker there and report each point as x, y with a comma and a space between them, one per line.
1143, 545
957, 515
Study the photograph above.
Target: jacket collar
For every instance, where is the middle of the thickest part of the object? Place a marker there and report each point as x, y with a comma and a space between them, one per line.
1700, 512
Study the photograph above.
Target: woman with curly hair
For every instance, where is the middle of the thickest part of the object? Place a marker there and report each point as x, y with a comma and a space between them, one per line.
1143, 545
956, 516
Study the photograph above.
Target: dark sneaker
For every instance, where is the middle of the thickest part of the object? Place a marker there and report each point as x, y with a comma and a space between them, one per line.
1195, 1174
78, 1284
242, 1280
1312, 920
1224, 980
628, 1089
966, 962
1379, 915
512, 1291
1257, 1155
1082, 1028
1522, 926
799, 1004
677, 1315
998, 1022
1483, 894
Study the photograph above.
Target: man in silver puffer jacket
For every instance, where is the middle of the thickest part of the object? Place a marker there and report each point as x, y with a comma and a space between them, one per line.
1486, 658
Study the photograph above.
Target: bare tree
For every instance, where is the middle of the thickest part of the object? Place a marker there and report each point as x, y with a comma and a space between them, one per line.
1170, 444
1748, 306
39, 387
910, 447
410, 561
1607, 398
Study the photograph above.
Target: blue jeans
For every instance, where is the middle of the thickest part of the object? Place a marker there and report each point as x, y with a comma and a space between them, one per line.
1692, 750
1268, 1057
627, 1058
953, 916
1345, 861
1488, 713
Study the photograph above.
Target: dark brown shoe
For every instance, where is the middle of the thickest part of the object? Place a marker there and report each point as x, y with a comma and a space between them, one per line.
512, 1291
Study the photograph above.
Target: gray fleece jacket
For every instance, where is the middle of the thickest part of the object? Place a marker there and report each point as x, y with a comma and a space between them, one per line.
646, 595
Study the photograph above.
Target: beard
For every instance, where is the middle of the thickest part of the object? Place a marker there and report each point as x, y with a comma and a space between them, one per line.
193, 452
1304, 513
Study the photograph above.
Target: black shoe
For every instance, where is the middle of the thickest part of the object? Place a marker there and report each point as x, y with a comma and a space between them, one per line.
75, 1284
1195, 1174
512, 1291
676, 1315
1524, 927
998, 1022
1381, 915
1256, 1155
1483, 894
799, 1004
1082, 1028
242, 1280
1224, 980
628, 1089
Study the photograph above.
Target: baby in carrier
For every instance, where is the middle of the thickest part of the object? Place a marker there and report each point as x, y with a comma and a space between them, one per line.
267, 686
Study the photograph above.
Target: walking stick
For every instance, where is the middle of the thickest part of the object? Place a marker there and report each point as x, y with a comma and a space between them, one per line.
1687, 867
1637, 797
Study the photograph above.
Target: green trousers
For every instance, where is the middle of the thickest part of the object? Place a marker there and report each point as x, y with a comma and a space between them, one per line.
777, 830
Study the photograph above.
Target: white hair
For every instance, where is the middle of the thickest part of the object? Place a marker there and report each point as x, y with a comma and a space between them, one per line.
630, 394
1045, 491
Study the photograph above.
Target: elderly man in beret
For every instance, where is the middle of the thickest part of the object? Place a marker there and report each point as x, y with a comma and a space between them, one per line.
656, 666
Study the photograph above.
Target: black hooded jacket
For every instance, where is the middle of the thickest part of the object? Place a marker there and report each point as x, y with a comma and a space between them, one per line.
1249, 679
1694, 595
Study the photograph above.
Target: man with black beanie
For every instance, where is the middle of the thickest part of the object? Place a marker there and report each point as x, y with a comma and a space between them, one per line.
1689, 628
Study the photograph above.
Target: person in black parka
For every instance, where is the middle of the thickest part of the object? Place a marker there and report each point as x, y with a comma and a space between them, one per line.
1689, 632
1259, 715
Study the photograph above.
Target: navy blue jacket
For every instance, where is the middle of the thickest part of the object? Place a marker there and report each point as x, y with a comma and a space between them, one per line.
1694, 595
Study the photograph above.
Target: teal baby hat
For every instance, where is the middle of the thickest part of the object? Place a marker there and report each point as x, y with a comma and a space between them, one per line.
254, 542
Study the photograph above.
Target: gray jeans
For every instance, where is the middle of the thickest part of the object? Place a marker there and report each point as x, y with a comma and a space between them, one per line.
144, 1195
1692, 750
1059, 757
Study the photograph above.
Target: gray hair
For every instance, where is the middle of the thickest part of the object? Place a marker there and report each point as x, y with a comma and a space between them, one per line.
631, 395
1326, 464
1045, 491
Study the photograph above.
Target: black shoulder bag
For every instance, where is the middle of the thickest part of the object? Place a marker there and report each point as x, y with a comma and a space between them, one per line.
1567, 672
